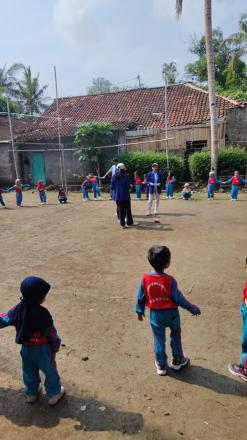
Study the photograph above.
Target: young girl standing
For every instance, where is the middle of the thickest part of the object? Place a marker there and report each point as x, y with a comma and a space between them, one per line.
18, 187
138, 186
95, 186
170, 185
36, 334
212, 181
41, 190
84, 188
236, 181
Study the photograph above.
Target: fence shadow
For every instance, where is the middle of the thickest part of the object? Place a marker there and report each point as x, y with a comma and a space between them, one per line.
90, 414
206, 378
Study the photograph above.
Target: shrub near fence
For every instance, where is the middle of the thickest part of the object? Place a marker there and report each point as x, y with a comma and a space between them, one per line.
229, 160
141, 162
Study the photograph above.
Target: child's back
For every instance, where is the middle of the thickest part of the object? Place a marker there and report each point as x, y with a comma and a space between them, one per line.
158, 291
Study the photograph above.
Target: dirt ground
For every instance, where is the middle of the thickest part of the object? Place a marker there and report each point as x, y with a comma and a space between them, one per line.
106, 363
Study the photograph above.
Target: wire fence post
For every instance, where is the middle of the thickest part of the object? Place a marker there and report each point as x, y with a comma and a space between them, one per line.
12, 139
166, 123
61, 147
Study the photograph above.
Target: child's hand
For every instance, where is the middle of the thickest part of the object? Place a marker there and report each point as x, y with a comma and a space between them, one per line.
195, 310
141, 316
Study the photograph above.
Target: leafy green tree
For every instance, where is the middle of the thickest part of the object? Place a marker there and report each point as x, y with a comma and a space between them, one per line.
169, 72
8, 78
102, 85
89, 136
29, 94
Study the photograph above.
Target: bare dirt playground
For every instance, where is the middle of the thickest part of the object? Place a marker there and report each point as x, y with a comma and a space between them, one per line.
106, 363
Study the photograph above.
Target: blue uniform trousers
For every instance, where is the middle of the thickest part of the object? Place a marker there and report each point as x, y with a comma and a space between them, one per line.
169, 189
160, 320
96, 191
19, 198
42, 196
243, 309
234, 191
138, 191
85, 194
35, 358
211, 189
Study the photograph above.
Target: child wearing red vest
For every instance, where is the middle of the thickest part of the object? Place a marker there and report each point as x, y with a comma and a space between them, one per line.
159, 292
138, 186
236, 181
212, 182
241, 369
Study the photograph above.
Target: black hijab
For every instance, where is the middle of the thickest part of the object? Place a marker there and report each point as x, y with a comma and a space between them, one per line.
29, 316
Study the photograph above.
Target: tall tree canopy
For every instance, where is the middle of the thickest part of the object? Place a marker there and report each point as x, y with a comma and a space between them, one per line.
29, 94
169, 72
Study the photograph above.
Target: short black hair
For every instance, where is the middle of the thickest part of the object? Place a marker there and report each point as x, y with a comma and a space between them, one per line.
159, 257
115, 160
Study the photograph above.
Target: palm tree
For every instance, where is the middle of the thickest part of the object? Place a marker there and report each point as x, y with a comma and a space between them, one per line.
8, 79
28, 93
211, 76
169, 72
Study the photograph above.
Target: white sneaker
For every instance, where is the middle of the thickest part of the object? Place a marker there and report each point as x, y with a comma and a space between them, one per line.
148, 213
160, 371
177, 365
155, 212
55, 399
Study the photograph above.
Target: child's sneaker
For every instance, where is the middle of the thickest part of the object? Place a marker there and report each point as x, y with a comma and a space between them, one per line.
148, 213
238, 370
180, 363
55, 399
31, 398
161, 371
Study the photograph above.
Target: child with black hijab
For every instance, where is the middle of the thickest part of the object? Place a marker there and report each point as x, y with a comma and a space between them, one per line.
36, 333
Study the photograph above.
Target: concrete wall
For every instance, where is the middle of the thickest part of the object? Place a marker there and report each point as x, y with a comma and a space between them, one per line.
236, 131
7, 170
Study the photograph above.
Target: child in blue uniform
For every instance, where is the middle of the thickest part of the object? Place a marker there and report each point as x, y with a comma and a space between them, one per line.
241, 369
159, 292
170, 185
38, 337
212, 182
18, 187
236, 181
84, 188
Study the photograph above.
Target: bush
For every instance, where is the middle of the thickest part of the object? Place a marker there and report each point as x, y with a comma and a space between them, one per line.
229, 159
141, 162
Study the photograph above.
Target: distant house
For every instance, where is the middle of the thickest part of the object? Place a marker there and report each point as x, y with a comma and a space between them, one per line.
139, 117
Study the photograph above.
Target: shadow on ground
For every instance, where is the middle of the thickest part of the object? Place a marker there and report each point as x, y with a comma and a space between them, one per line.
90, 414
212, 380
171, 214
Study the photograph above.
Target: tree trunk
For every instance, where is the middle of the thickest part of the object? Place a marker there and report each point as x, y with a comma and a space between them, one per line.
211, 83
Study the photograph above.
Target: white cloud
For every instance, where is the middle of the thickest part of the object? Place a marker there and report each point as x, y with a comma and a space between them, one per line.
76, 22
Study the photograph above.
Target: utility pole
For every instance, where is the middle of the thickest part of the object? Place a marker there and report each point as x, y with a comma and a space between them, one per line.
139, 81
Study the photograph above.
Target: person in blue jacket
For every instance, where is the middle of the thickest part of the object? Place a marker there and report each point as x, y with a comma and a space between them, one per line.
38, 337
154, 182
120, 186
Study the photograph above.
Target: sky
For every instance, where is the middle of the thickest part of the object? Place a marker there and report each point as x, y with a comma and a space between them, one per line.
114, 39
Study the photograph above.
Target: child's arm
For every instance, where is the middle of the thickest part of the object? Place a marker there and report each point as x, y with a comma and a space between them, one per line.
141, 301
180, 300
25, 185
53, 339
227, 181
10, 189
4, 320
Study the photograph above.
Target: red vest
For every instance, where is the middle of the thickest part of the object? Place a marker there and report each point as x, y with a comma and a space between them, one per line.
158, 291
211, 180
235, 180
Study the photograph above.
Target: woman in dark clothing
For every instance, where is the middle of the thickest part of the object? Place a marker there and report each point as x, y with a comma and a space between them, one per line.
120, 186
